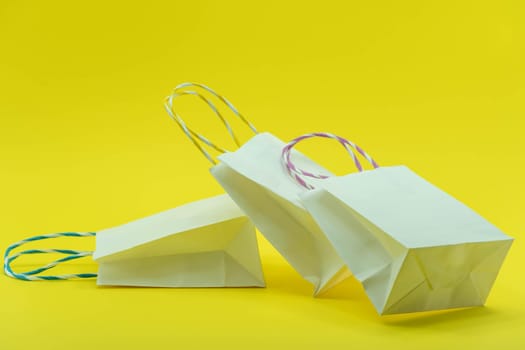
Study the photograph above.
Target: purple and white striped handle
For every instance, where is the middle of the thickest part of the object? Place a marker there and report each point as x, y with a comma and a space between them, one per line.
297, 173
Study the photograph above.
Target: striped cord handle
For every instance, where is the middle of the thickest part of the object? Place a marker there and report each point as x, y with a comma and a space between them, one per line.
195, 137
33, 275
297, 173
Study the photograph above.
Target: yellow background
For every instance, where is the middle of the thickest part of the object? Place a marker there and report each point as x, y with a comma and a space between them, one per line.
85, 144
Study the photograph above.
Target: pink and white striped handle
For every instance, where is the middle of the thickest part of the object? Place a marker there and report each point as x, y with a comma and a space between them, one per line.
297, 173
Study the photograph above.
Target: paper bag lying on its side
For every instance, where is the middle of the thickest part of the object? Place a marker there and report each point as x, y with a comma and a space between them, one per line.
207, 243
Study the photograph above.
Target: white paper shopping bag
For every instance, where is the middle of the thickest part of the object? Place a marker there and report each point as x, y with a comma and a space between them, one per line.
206, 243
253, 177
413, 246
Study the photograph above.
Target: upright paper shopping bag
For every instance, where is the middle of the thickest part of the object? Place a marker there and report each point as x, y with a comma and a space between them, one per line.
207, 243
413, 246
253, 177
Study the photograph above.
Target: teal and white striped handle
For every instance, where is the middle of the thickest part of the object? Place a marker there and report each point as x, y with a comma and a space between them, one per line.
34, 275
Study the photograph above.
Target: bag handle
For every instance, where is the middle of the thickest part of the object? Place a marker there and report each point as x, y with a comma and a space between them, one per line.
33, 275
195, 137
297, 173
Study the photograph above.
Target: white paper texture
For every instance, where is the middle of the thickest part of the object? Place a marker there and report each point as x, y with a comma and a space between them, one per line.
207, 243
413, 246
255, 179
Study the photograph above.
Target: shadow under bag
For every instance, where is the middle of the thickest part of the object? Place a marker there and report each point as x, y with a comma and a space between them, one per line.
412, 246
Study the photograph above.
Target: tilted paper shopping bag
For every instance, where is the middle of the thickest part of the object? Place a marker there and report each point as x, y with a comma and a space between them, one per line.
413, 246
207, 243
253, 177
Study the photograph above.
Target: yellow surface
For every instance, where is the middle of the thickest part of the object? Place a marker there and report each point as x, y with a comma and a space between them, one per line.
85, 144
